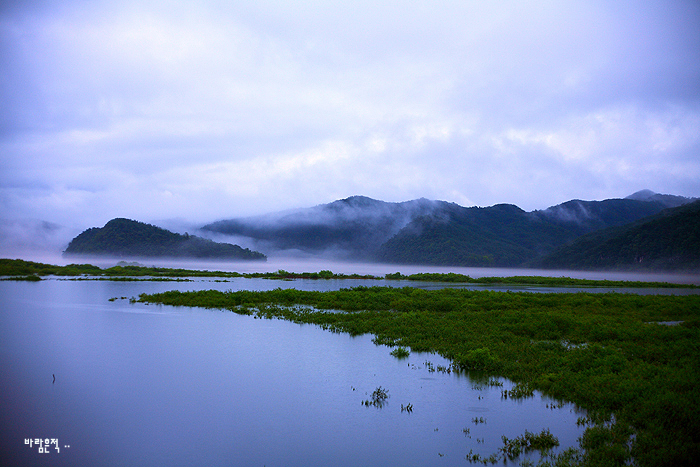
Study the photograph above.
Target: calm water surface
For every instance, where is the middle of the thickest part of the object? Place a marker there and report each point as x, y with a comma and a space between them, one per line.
152, 385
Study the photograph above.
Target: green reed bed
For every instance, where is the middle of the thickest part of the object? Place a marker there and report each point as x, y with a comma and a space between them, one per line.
605, 352
19, 269
531, 280
10, 267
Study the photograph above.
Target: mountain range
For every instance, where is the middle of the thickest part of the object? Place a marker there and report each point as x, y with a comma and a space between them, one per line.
441, 233
644, 231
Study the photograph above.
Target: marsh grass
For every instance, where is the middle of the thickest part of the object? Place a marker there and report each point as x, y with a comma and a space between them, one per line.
378, 398
544, 441
18, 268
645, 375
400, 352
519, 391
28, 277
512, 449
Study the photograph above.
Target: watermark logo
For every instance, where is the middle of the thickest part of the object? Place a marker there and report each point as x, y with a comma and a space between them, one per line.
45, 445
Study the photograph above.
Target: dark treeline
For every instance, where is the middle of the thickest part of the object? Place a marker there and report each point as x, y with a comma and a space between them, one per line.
634, 358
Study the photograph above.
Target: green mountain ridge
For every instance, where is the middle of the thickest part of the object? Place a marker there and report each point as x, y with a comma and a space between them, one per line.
351, 228
573, 235
501, 235
128, 238
438, 232
669, 240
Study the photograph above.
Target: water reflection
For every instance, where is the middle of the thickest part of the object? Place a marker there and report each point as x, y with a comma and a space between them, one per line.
143, 384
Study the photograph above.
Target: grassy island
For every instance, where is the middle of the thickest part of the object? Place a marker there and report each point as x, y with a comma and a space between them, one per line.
632, 361
17, 269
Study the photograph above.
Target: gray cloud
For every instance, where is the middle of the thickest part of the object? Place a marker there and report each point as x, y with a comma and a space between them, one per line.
159, 109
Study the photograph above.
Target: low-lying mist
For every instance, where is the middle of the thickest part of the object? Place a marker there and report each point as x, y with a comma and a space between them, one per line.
308, 263
33, 238
350, 229
363, 235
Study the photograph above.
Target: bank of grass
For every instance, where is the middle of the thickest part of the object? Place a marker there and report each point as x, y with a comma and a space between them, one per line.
17, 269
531, 280
605, 352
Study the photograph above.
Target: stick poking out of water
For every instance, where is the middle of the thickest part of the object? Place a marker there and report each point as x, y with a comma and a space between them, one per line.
54, 378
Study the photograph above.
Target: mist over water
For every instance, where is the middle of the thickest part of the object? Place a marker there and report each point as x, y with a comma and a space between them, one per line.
344, 236
44, 242
309, 263
22, 238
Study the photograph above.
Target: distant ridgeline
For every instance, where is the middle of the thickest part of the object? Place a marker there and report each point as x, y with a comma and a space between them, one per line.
669, 240
128, 238
446, 234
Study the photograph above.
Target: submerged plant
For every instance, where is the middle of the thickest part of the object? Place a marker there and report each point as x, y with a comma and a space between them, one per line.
444, 369
490, 382
472, 457
380, 394
400, 352
519, 391
384, 340
378, 397
494, 382
543, 442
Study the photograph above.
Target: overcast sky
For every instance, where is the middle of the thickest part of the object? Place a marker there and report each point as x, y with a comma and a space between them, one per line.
215, 109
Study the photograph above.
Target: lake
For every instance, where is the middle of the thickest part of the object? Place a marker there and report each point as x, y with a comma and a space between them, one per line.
140, 384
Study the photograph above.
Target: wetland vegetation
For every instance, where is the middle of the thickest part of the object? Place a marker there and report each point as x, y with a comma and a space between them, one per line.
378, 398
401, 352
611, 354
18, 269
543, 442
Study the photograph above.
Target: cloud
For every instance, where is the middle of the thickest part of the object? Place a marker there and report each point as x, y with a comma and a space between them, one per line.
216, 109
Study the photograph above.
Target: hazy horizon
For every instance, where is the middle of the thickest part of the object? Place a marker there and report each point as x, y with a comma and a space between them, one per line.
35, 239
200, 111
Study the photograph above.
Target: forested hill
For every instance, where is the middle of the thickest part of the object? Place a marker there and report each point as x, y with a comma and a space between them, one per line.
128, 238
669, 240
351, 228
437, 232
505, 235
